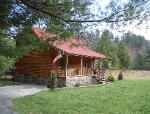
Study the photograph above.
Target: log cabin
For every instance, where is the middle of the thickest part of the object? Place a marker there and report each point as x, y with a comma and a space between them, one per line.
71, 60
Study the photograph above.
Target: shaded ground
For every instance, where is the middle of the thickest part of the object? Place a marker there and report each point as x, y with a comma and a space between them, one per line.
6, 82
8, 93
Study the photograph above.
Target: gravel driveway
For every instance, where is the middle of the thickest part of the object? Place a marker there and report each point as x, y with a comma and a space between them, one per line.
8, 93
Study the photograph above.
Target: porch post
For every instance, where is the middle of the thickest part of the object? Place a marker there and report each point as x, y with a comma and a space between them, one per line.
66, 65
81, 66
93, 66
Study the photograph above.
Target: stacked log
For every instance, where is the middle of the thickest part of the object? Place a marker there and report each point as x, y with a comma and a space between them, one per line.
36, 63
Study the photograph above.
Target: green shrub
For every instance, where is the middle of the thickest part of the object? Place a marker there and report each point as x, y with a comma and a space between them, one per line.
6, 63
52, 83
120, 76
111, 78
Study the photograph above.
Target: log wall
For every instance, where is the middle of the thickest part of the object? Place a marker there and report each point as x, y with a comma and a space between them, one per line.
36, 63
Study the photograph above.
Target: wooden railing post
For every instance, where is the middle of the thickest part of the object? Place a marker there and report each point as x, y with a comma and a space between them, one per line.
93, 66
81, 73
66, 65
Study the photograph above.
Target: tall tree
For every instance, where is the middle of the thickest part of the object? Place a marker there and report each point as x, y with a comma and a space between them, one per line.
106, 46
124, 58
143, 61
133, 41
135, 44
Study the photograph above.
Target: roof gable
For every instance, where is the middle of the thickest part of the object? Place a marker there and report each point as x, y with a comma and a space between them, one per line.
44, 35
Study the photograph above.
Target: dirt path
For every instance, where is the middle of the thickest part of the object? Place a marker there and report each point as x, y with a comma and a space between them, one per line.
8, 93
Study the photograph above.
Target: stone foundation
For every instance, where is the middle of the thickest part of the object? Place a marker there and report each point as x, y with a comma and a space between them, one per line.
30, 80
61, 81
80, 80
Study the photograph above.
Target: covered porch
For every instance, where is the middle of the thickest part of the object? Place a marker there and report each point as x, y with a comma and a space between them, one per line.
70, 66
78, 59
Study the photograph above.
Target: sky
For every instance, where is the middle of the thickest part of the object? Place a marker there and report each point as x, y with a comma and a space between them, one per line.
139, 30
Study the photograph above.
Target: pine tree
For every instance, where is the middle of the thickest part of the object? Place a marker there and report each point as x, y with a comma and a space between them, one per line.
106, 46
124, 58
52, 83
143, 61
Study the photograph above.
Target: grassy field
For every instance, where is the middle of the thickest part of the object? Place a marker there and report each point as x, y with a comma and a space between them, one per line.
6, 82
120, 97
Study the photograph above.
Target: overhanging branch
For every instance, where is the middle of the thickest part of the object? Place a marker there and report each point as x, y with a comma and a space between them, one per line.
105, 19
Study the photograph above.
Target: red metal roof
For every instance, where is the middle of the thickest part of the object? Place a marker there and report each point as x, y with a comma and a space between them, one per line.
71, 46
42, 34
77, 48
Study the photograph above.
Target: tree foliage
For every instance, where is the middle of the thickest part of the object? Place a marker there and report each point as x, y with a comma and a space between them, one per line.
6, 53
143, 61
19, 14
133, 41
124, 58
118, 52
106, 46
137, 46
6, 63
66, 16
52, 83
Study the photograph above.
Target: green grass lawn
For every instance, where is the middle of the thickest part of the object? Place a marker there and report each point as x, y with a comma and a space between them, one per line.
120, 97
6, 82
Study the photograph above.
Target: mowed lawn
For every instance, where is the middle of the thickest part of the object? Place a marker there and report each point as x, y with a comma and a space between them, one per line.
120, 97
